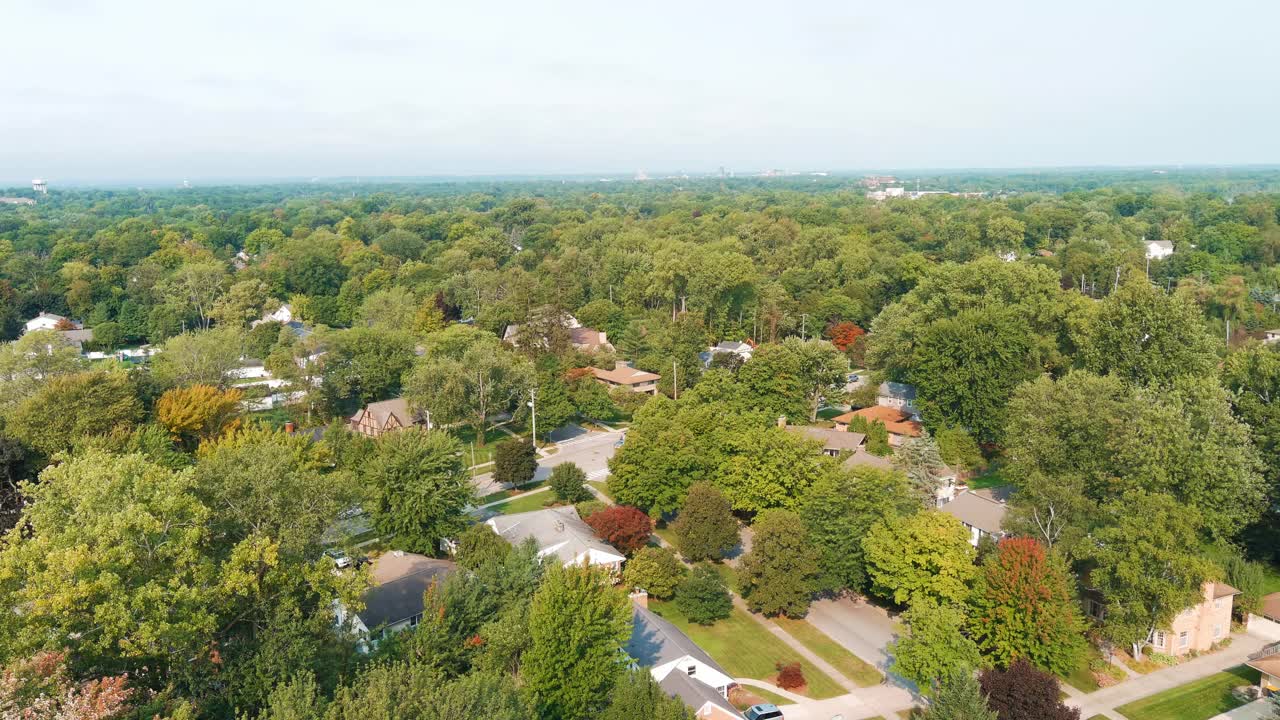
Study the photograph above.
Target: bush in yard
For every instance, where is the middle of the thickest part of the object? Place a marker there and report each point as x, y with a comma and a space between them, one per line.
780, 573
790, 676
514, 462
479, 545
588, 508
703, 597
655, 570
624, 527
705, 528
1024, 693
568, 483
959, 697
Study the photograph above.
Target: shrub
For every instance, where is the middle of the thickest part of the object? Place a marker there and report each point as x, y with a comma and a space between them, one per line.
655, 570
703, 597
622, 526
569, 483
514, 462
587, 508
1162, 658
790, 676
478, 545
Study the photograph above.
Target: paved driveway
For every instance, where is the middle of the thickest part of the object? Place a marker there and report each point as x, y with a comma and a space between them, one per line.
862, 628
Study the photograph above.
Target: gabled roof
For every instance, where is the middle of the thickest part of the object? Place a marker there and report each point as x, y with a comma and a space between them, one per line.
979, 509
655, 641
556, 531
695, 694
1271, 606
1162, 244
625, 375
382, 411
895, 421
831, 439
733, 346
400, 580
862, 458
901, 391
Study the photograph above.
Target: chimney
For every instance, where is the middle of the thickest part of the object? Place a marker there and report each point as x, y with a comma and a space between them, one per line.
782, 421
640, 597
290, 427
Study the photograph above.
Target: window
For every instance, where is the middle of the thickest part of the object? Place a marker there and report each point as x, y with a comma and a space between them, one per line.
1217, 604
692, 670
1157, 639
1184, 638
1095, 609
1217, 631
413, 621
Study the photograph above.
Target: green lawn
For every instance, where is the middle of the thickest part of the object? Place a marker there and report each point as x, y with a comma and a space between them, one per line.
1081, 678
1271, 581
667, 534
728, 574
849, 665
1199, 700
494, 497
989, 479
829, 412
483, 453
744, 648
602, 487
761, 694
524, 503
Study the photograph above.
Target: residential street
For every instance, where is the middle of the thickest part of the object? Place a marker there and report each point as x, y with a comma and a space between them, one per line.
588, 450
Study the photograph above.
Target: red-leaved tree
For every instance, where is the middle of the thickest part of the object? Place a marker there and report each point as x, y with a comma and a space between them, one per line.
844, 334
622, 526
1024, 693
790, 676
41, 688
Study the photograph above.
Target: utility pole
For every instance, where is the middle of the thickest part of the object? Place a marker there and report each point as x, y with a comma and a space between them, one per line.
675, 381
533, 404
804, 326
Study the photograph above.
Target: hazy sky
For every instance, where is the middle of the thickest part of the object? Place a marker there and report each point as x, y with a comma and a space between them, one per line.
274, 88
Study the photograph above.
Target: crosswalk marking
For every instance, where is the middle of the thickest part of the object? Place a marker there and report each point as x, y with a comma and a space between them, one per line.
597, 473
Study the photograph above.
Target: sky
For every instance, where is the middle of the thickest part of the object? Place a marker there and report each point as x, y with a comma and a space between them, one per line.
272, 89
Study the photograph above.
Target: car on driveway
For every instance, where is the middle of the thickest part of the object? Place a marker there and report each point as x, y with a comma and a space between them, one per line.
339, 558
764, 711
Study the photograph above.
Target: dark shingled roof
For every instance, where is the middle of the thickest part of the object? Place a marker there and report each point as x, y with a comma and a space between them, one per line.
401, 598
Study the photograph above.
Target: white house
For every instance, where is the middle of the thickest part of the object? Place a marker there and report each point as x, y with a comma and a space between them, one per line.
679, 666
395, 601
981, 512
1159, 249
899, 396
560, 533
50, 321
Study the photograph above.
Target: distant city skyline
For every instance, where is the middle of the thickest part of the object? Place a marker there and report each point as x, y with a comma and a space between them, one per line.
150, 90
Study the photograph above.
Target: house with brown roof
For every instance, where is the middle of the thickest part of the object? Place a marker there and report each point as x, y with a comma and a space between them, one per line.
1267, 662
834, 442
624, 375
898, 422
581, 338
385, 416
1197, 628
395, 600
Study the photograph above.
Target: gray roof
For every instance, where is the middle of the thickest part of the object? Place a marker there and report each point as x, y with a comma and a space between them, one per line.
862, 458
830, 438
982, 509
901, 391
695, 694
559, 528
1166, 244
655, 641
732, 346
399, 596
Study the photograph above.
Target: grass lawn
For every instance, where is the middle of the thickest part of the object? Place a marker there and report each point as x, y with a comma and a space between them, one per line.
744, 648
1098, 717
760, 694
501, 494
1271, 579
667, 534
729, 574
1199, 700
602, 487
827, 413
483, 454
850, 665
524, 503
990, 478
1081, 678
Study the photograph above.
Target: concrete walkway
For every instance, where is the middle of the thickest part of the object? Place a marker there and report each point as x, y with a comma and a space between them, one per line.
804, 652
752, 682
1105, 701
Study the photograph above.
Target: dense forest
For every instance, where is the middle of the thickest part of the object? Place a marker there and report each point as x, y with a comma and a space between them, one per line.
164, 547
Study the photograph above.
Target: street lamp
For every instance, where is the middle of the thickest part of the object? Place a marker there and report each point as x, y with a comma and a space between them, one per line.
533, 405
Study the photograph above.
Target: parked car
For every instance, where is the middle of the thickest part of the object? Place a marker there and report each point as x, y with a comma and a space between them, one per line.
340, 559
853, 377
764, 711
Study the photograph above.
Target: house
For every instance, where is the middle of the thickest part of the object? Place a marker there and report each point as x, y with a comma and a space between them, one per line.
50, 321
284, 315
1196, 628
1009, 256
900, 425
742, 350
387, 416
862, 458
982, 512
1159, 249
582, 338
559, 532
623, 375
679, 666
1270, 336
77, 338
395, 600
1267, 662
899, 396
833, 441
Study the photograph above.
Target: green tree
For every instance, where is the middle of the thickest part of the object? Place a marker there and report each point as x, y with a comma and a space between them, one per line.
779, 575
479, 545
959, 449
1147, 565
569, 483
702, 596
394, 308
483, 379
959, 697
70, 408
838, 510
769, 467
1144, 336
367, 364
514, 462
921, 460
705, 529
637, 696
926, 555
198, 358
242, 303
34, 358
655, 570
555, 406
577, 624
1024, 606
196, 287
934, 645
420, 486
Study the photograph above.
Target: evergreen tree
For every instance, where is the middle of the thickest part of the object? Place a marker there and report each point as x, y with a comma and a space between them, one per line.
921, 460
959, 697
555, 406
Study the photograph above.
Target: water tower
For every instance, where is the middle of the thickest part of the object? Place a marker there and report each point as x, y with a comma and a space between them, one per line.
40, 186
